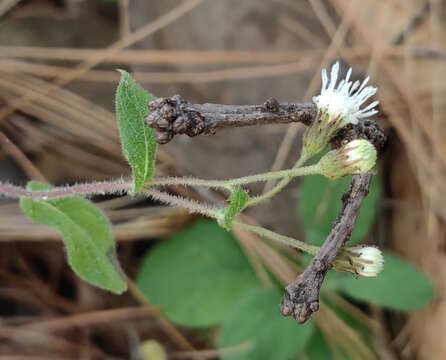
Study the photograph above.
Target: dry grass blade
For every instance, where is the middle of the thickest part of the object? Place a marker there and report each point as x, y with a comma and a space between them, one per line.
84, 67
7, 5
28, 167
301, 31
195, 77
88, 319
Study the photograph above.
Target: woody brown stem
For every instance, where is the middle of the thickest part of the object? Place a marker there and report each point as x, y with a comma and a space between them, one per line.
175, 116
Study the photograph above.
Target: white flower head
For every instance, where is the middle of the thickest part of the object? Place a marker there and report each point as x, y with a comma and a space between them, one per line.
356, 157
338, 105
344, 101
366, 260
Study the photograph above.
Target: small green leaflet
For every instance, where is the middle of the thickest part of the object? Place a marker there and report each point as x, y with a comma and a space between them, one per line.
138, 141
86, 234
237, 202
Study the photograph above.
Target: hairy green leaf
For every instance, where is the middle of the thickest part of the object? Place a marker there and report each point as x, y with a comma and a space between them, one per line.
138, 140
256, 321
196, 275
237, 202
399, 286
320, 203
86, 234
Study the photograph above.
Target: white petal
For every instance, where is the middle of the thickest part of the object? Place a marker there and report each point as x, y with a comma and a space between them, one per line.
324, 79
349, 72
364, 83
370, 106
334, 76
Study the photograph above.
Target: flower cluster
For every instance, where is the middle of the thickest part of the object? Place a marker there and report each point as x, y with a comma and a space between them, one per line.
338, 105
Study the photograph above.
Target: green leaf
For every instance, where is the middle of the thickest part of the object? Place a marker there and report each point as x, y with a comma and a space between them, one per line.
86, 234
138, 140
320, 203
343, 317
317, 348
237, 202
257, 321
196, 275
399, 286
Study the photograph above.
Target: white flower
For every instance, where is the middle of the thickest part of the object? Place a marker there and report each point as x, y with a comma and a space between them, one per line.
366, 260
337, 106
344, 101
356, 157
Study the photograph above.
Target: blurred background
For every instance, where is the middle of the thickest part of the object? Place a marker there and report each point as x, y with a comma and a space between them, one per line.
197, 292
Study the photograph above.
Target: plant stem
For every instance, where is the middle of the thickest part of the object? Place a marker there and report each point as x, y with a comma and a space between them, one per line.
339, 264
95, 188
192, 206
282, 183
229, 184
310, 249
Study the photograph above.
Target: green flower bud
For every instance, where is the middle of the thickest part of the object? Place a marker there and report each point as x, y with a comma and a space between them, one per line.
357, 157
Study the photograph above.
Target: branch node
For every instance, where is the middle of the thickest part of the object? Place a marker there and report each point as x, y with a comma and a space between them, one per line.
174, 116
271, 105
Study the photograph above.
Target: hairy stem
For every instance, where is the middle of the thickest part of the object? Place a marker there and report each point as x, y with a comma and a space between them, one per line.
102, 188
339, 263
286, 240
279, 186
123, 186
192, 206
229, 184
89, 189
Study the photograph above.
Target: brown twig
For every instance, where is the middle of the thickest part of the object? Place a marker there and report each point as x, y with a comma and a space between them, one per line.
301, 297
176, 116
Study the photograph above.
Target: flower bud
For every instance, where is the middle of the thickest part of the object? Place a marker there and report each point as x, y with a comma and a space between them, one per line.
366, 260
356, 157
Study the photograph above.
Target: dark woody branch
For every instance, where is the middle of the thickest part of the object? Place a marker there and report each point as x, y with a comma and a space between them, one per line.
301, 297
177, 116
